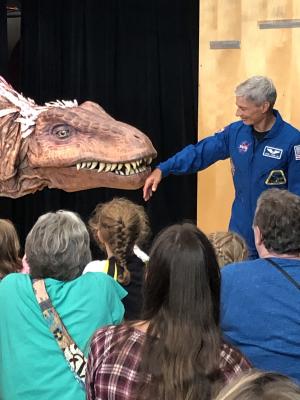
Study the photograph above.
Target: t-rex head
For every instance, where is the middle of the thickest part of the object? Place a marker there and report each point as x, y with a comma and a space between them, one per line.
62, 145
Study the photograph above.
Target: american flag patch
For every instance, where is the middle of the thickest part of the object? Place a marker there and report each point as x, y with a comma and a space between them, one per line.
297, 152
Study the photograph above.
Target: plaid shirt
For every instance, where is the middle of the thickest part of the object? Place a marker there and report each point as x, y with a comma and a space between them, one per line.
113, 375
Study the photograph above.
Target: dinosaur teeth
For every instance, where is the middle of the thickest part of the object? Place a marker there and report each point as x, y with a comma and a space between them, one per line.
94, 165
107, 168
128, 168
101, 167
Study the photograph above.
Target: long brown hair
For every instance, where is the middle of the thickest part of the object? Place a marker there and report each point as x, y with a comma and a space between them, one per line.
9, 249
182, 302
122, 224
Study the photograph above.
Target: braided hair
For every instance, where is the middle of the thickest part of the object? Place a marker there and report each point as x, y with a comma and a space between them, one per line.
122, 224
229, 247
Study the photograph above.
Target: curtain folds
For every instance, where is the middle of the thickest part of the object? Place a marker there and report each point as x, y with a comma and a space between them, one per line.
3, 39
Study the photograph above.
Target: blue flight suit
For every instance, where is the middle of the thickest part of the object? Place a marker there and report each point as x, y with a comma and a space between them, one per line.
273, 161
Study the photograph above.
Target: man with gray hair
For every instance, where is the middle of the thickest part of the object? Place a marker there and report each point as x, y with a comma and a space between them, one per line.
264, 152
260, 299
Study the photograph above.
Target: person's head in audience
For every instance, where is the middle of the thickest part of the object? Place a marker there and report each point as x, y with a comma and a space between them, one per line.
259, 385
176, 350
182, 303
57, 250
277, 223
117, 226
10, 260
58, 246
180, 347
229, 247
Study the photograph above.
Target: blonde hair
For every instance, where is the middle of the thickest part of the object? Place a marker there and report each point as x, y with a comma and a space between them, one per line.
259, 385
9, 249
229, 247
122, 224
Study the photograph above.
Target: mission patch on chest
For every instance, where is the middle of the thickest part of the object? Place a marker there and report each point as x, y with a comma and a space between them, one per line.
272, 152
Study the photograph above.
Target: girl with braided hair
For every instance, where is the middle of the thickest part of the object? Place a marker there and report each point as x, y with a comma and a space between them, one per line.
117, 226
229, 247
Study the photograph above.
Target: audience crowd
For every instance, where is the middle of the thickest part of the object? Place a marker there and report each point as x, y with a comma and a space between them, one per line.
168, 326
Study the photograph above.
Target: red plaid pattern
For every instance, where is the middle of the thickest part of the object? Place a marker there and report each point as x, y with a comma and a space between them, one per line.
113, 374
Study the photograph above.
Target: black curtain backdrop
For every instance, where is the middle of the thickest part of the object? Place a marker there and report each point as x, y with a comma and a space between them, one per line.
139, 60
3, 39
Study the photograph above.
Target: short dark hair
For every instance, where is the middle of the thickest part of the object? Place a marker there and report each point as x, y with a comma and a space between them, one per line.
278, 218
58, 246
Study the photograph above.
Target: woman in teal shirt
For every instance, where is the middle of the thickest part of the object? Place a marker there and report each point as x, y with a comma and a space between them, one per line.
32, 365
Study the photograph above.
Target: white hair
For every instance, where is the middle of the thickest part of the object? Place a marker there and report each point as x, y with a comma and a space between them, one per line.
257, 89
58, 246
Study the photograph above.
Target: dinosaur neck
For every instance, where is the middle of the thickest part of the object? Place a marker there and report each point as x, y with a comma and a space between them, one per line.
12, 146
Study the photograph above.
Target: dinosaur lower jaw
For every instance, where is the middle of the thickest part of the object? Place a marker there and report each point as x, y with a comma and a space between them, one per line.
71, 180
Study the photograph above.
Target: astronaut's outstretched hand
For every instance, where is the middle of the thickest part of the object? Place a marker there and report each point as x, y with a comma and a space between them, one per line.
151, 183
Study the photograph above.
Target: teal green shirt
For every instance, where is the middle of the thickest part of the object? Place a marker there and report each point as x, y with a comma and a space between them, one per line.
32, 366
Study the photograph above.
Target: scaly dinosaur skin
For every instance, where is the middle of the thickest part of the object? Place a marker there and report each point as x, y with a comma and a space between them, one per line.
67, 147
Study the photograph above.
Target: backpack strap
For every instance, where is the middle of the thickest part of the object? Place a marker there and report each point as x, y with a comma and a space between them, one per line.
280, 269
73, 355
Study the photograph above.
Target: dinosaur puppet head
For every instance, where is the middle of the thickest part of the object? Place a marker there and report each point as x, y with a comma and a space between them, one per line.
66, 146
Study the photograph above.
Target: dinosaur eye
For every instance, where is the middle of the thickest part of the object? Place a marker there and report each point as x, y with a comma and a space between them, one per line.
62, 131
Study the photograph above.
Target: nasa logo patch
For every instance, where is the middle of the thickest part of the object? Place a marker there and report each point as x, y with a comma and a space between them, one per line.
243, 147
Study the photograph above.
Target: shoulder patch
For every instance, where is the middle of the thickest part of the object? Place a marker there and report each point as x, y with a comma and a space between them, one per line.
297, 152
272, 152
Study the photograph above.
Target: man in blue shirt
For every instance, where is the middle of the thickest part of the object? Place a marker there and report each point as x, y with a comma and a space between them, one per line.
264, 152
260, 299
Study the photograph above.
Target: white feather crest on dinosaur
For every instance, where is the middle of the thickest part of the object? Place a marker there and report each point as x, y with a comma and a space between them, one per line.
28, 109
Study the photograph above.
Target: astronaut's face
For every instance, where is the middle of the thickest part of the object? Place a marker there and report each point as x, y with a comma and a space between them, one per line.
249, 112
